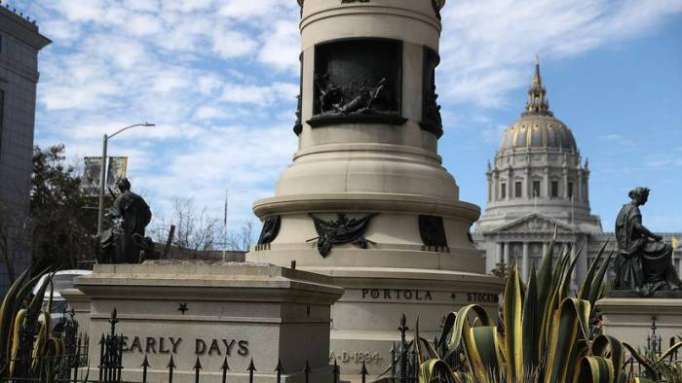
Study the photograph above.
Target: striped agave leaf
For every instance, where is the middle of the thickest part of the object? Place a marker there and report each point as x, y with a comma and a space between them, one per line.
606, 346
567, 330
596, 369
513, 329
483, 354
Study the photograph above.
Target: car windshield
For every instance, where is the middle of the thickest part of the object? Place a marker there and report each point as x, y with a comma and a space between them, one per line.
58, 307
63, 281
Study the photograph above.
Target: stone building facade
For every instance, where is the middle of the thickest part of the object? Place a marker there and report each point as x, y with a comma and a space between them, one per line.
20, 42
539, 183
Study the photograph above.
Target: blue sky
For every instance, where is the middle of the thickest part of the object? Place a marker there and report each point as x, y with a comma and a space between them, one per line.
219, 78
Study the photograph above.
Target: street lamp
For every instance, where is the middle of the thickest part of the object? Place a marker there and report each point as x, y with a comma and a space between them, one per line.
103, 174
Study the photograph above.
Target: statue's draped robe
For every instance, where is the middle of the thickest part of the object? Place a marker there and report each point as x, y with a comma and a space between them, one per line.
135, 215
641, 263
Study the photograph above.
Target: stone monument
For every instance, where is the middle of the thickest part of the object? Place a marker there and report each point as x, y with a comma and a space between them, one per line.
367, 200
209, 314
646, 288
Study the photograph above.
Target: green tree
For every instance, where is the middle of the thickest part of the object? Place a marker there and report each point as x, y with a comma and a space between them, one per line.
62, 226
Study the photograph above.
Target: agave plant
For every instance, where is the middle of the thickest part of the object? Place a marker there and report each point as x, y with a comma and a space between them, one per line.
27, 347
544, 334
659, 367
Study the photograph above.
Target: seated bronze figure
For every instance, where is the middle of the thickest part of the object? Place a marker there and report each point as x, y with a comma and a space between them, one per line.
644, 262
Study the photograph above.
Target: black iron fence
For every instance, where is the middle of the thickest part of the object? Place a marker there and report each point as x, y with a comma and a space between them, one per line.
71, 366
111, 364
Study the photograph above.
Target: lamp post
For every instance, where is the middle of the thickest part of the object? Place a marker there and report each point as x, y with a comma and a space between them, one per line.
103, 173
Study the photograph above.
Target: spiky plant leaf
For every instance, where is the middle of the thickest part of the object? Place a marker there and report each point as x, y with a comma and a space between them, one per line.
585, 288
513, 329
609, 347
531, 325
433, 369
566, 330
462, 322
597, 284
595, 369
482, 350
642, 360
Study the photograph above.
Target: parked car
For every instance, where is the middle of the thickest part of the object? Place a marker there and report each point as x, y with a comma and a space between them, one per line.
61, 281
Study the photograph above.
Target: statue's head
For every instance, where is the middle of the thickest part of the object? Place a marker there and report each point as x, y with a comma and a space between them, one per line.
640, 195
123, 185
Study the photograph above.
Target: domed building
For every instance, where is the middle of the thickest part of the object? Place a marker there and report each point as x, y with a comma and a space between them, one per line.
538, 182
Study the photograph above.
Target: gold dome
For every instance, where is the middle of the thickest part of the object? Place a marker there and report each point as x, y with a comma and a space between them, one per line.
539, 131
538, 128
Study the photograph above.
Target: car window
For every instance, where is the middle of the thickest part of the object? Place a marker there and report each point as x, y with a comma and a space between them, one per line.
64, 281
58, 307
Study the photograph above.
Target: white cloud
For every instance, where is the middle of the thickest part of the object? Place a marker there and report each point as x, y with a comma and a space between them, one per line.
487, 46
204, 69
259, 95
282, 47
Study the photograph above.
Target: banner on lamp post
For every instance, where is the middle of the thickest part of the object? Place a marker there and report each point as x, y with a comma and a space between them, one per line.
90, 183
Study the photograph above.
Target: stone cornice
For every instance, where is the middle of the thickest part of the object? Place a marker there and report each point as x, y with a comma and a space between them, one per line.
22, 29
369, 202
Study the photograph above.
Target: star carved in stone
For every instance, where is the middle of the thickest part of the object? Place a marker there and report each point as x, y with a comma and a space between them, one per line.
183, 308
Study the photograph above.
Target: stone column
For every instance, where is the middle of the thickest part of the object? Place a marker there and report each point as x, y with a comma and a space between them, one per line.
525, 269
579, 187
565, 186
506, 254
499, 253
546, 181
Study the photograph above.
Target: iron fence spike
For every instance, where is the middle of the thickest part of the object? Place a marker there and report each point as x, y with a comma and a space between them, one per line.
252, 366
307, 371
225, 367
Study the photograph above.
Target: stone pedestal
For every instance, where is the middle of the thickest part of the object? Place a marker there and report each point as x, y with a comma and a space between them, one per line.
243, 312
630, 319
375, 160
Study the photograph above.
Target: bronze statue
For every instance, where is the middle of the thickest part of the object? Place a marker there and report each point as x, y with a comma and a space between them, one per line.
125, 240
644, 262
340, 231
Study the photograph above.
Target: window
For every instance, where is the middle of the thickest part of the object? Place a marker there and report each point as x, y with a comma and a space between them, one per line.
536, 188
569, 192
503, 190
518, 189
555, 189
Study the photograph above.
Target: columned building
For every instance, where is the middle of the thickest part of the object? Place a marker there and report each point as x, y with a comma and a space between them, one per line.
539, 183
20, 42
